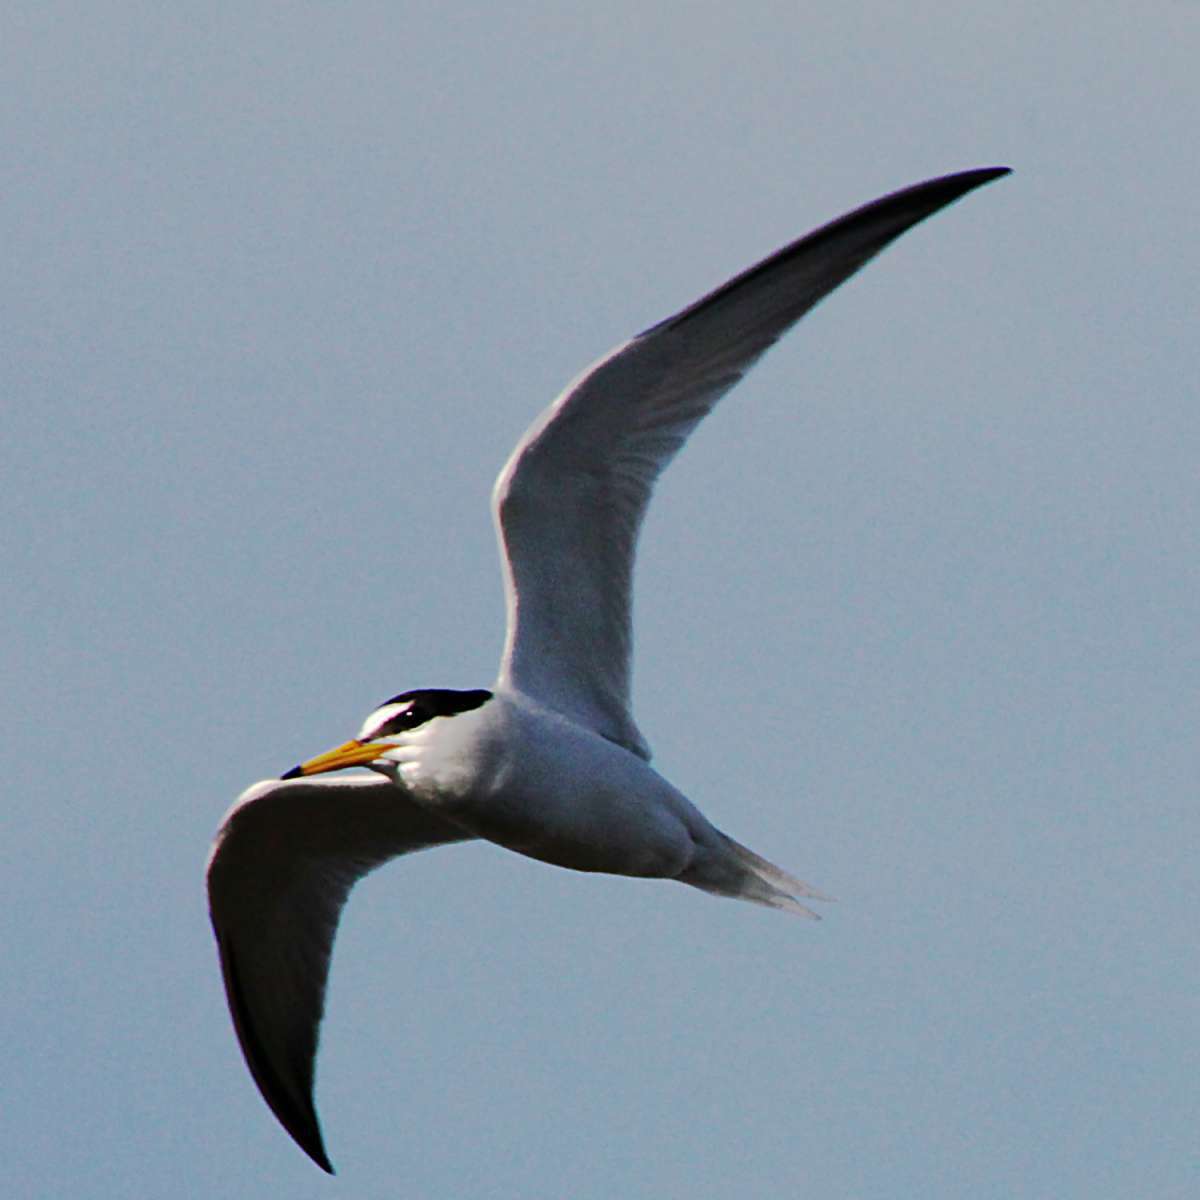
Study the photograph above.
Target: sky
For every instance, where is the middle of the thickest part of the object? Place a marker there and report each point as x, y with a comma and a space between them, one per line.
918, 608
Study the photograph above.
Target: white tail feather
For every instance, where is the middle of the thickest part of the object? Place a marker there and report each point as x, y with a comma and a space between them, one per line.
730, 869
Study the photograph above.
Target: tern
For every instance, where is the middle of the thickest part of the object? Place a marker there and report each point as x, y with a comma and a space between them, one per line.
548, 761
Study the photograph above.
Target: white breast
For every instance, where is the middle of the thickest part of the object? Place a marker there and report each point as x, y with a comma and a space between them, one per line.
520, 775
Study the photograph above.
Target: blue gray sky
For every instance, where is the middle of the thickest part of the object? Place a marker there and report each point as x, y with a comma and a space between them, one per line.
917, 610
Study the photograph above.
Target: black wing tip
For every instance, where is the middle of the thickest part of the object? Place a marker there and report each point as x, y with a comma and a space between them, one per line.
309, 1139
298, 1116
318, 1155
899, 211
933, 193
983, 174
964, 181
304, 1129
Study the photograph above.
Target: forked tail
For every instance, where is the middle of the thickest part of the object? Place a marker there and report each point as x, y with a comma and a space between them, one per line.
728, 868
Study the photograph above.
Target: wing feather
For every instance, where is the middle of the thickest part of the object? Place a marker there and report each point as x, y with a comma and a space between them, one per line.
281, 867
570, 501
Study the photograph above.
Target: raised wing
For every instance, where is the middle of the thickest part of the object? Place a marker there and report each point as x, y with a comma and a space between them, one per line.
571, 498
284, 860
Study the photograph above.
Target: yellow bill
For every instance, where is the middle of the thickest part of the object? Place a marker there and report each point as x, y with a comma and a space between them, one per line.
351, 754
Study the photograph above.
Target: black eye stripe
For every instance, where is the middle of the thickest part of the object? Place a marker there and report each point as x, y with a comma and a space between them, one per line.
441, 702
426, 703
404, 720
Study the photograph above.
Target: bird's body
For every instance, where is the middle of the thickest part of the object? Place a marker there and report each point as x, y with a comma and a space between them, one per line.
544, 786
548, 762
523, 776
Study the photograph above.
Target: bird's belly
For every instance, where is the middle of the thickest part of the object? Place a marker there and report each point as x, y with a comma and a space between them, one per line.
577, 801
585, 832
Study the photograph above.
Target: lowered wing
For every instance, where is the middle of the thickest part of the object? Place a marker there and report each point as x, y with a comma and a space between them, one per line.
281, 867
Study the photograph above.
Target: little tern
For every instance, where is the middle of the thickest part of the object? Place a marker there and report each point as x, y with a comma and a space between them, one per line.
548, 762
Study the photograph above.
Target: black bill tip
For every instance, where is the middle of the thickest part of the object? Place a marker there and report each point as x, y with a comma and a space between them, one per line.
294, 773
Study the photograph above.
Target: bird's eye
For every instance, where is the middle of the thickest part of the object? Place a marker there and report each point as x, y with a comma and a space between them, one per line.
409, 717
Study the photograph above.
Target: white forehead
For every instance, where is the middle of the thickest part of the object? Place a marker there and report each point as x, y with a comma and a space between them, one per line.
380, 717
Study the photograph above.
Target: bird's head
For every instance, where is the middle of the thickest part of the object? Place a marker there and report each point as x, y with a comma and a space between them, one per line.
386, 728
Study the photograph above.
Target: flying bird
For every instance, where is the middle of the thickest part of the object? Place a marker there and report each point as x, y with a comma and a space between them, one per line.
548, 761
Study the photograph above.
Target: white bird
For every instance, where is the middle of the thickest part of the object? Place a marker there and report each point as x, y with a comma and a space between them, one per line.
549, 762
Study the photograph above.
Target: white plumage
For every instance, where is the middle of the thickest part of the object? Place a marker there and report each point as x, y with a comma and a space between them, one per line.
549, 762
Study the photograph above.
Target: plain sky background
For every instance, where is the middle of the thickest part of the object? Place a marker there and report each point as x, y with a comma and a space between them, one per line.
918, 610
